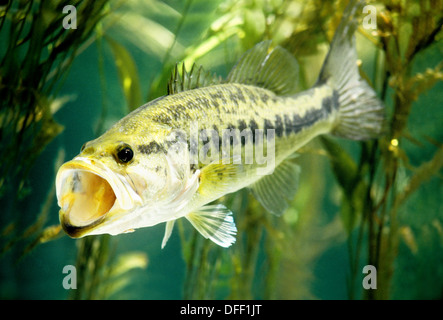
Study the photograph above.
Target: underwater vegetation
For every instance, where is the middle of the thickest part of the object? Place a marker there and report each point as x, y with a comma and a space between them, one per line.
359, 203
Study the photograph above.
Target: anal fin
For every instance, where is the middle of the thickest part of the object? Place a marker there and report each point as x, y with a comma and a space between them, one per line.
275, 190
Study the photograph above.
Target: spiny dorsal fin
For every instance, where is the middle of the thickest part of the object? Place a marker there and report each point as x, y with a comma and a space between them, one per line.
184, 80
267, 66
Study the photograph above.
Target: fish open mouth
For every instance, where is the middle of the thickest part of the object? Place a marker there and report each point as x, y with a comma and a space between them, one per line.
85, 197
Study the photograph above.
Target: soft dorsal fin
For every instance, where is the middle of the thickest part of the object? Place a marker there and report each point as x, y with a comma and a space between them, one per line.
196, 78
267, 66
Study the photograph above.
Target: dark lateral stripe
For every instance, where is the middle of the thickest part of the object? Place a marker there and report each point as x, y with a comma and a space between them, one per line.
268, 125
242, 125
294, 123
330, 103
288, 125
152, 147
309, 119
253, 126
278, 126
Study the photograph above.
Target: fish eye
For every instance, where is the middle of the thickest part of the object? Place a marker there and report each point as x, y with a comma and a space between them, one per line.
125, 154
83, 147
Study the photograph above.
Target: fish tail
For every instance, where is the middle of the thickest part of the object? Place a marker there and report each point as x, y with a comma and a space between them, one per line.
360, 113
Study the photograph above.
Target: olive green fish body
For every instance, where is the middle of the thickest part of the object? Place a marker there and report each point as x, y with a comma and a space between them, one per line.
295, 119
173, 156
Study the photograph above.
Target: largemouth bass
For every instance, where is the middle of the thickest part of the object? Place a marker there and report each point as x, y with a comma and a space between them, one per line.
173, 156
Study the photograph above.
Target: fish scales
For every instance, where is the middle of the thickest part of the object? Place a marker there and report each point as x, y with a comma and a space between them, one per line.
237, 106
173, 156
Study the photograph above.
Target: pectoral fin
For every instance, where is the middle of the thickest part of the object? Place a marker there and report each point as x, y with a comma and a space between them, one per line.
275, 190
216, 178
214, 222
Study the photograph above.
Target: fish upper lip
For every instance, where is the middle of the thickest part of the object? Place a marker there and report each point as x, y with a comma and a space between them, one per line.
125, 197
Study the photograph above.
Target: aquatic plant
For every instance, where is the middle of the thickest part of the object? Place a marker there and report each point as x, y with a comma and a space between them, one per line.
406, 29
36, 53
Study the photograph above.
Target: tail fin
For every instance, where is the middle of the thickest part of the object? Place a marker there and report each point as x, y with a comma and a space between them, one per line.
361, 113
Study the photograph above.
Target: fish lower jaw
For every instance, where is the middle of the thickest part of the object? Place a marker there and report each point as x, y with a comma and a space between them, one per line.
76, 231
109, 223
116, 222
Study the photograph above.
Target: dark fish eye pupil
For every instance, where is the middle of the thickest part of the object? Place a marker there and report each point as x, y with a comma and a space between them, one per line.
125, 155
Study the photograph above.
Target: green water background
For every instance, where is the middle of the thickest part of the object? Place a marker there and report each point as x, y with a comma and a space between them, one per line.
324, 275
